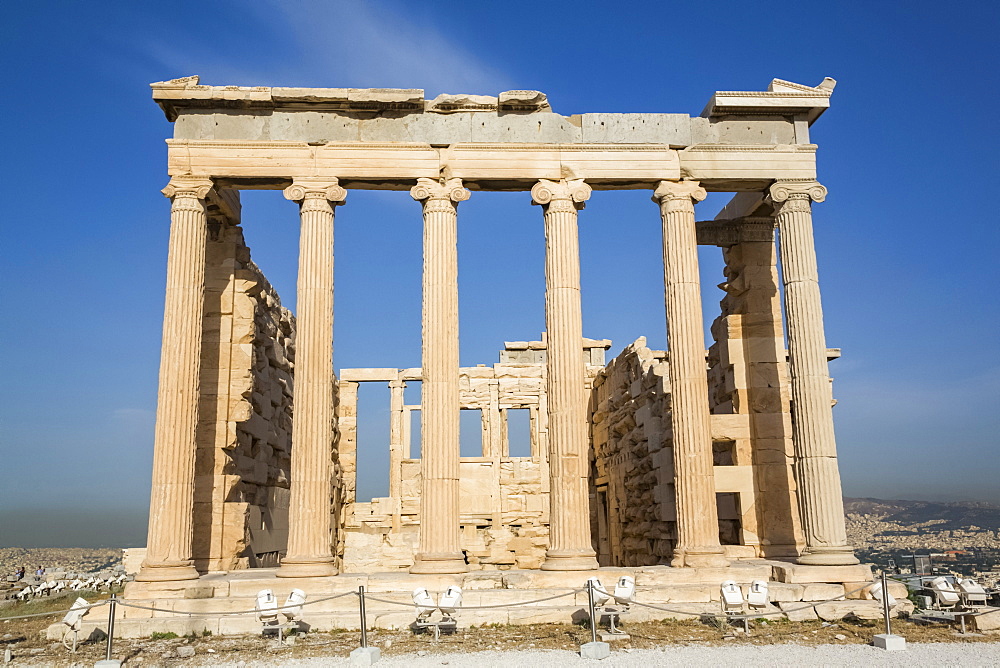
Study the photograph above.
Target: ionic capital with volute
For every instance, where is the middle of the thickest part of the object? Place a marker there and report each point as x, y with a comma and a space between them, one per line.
450, 190
684, 192
564, 195
792, 193
305, 191
193, 187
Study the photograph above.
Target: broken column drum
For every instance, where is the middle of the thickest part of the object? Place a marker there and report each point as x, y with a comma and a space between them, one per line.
680, 457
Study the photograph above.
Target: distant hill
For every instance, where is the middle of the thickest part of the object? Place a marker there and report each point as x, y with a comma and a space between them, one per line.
956, 515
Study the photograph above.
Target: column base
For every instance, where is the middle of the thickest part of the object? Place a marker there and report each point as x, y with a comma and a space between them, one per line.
781, 551
440, 562
167, 571
699, 557
837, 555
306, 567
570, 560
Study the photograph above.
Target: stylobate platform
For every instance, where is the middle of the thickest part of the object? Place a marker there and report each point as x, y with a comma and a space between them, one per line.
223, 602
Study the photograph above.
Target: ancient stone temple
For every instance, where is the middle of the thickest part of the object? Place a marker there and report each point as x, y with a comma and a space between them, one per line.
707, 462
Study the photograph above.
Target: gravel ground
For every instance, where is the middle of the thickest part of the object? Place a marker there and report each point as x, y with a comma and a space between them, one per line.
937, 654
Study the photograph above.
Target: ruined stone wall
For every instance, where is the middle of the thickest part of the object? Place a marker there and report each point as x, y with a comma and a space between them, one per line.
244, 435
504, 500
633, 511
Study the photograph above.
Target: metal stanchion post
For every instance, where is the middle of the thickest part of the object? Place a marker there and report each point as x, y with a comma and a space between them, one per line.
108, 662
885, 603
887, 640
593, 649
364, 617
364, 655
593, 611
111, 625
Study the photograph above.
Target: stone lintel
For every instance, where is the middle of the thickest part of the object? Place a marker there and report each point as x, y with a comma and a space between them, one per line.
369, 375
731, 232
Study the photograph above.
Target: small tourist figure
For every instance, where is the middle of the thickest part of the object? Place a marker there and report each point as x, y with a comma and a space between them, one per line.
40, 572
19, 573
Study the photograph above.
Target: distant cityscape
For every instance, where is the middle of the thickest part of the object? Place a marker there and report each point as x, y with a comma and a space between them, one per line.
962, 539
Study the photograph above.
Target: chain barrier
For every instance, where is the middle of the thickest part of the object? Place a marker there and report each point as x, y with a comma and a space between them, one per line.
238, 612
369, 596
386, 601
483, 607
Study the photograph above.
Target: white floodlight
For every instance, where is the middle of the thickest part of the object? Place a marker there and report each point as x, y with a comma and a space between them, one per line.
424, 603
732, 597
293, 605
266, 607
944, 592
450, 601
25, 593
76, 613
758, 596
625, 589
876, 591
972, 592
601, 595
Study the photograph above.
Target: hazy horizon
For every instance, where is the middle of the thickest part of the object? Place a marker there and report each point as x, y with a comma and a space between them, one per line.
111, 527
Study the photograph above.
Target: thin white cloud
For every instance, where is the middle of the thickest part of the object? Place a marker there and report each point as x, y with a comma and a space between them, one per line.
334, 43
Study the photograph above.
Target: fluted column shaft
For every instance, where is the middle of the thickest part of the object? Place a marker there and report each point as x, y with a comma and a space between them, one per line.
396, 390
694, 480
570, 546
440, 550
816, 468
309, 552
169, 544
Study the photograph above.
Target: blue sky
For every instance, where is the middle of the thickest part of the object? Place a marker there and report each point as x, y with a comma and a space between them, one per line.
907, 238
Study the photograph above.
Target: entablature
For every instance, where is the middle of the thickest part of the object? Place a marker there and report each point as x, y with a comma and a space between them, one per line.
489, 166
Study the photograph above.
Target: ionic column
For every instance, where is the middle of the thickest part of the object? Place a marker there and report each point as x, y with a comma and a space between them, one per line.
396, 389
440, 550
570, 547
168, 547
816, 470
694, 480
309, 551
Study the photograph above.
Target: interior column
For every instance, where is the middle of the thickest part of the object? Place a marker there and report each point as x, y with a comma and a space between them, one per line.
817, 472
169, 544
694, 480
570, 547
396, 390
440, 549
309, 552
